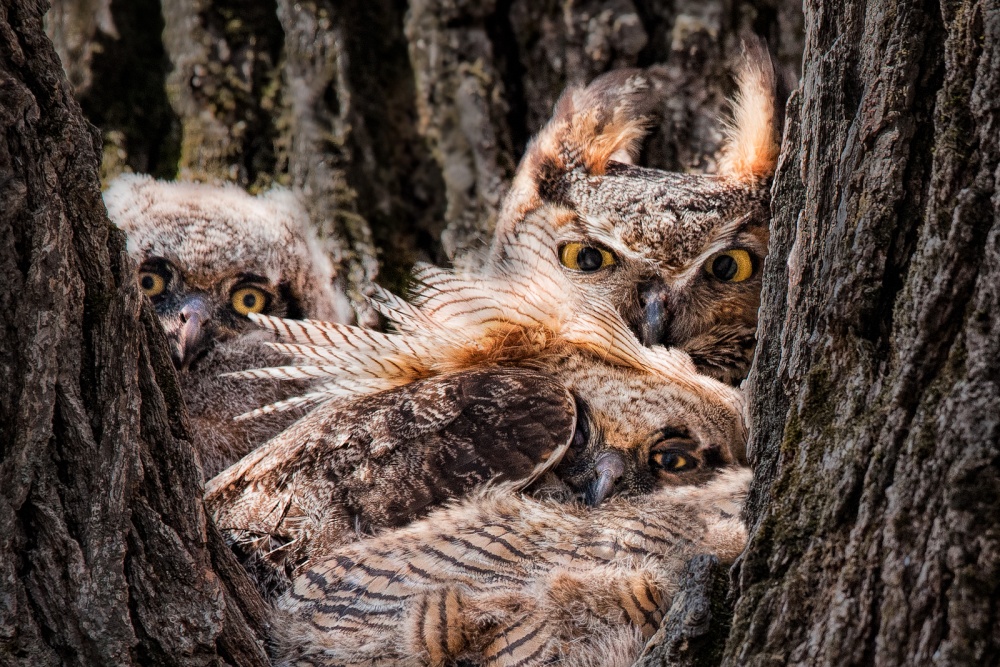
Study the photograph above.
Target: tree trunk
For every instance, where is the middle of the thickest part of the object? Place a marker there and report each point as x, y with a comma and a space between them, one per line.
875, 397
105, 558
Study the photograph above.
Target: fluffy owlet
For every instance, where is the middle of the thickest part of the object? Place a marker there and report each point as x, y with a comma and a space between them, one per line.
499, 376
504, 580
208, 257
679, 254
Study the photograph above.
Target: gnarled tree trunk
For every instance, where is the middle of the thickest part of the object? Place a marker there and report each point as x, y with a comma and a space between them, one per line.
875, 396
105, 552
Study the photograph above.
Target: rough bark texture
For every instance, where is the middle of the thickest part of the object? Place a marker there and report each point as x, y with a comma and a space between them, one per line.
875, 397
104, 554
693, 632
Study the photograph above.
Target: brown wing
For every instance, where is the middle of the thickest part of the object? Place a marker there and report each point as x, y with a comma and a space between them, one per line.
350, 467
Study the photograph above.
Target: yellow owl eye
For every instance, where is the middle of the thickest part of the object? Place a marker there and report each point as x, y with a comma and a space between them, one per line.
248, 300
152, 284
672, 460
586, 258
731, 266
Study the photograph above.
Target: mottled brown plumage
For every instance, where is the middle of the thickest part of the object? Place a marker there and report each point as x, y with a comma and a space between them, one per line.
385, 459
633, 418
205, 254
505, 580
679, 254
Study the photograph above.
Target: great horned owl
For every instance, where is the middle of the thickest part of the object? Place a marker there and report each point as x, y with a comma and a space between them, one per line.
679, 254
503, 376
209, 256
503, 579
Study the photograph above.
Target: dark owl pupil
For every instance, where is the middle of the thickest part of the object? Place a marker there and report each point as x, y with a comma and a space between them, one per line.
589, 259
724, 267
147, 282
249, 300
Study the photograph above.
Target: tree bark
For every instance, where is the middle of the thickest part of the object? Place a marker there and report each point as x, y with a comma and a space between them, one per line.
105, 558
874, 395
693, 632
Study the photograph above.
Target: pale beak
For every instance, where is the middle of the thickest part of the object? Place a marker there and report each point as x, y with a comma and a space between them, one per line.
654, 325
194, 337
609, 467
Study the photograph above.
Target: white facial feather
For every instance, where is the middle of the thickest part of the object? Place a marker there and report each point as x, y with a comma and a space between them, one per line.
208, 230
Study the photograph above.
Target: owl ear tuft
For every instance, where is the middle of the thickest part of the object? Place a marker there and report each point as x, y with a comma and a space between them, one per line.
604, 121
589, 128
750, 154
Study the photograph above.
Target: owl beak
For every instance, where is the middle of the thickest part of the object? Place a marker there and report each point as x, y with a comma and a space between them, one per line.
654, 323
194, 337
609, 468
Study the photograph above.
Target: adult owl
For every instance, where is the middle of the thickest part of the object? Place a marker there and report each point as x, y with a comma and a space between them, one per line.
207, 258
499, 376
679, 254
506, 580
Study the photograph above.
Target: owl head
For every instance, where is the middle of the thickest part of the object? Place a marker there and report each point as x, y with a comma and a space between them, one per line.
209, 256
644, 417
679, 254
637, 430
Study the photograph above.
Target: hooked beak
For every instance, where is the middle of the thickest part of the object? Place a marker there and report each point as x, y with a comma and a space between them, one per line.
194, 336
609, 467
653, 325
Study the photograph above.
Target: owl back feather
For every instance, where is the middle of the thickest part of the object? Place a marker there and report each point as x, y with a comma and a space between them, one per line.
502, 580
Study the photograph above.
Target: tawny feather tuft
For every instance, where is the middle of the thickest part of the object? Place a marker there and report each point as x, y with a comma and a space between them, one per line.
591, 126
750, 154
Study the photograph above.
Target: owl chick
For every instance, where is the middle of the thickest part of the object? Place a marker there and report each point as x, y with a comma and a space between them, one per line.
499, 376
680, 254
208, 257
504, 579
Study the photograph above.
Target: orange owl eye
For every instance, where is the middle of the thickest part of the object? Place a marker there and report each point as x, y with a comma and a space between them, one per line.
152, 284
731, 266
248, 300
586, 258
672, 460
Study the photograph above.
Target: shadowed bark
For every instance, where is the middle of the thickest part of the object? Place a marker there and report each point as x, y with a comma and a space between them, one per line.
693, 632
876, 408
402, 122
104, 554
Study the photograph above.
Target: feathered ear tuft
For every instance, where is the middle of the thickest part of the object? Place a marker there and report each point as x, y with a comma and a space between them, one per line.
604, 121
589, 128
750, 154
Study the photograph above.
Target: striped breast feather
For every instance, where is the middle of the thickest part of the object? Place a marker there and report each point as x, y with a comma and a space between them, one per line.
522, 287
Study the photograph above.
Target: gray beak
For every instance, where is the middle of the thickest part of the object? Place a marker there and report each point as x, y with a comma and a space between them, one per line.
194, 337
653, 327
609, 467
